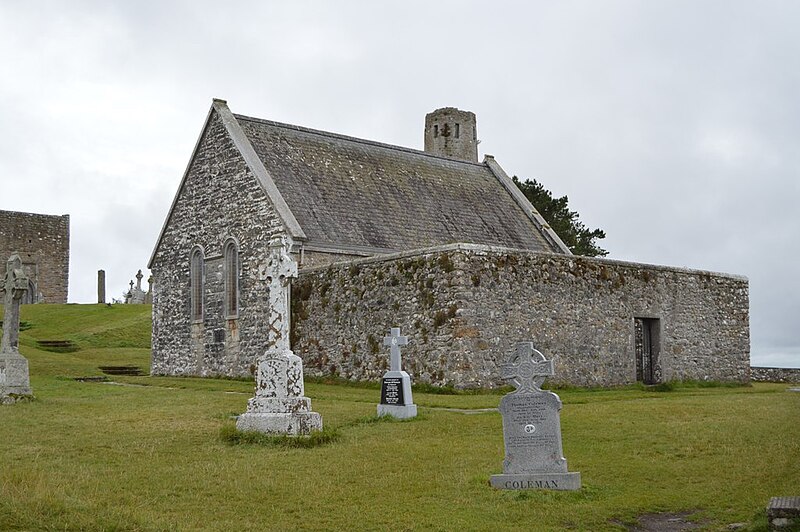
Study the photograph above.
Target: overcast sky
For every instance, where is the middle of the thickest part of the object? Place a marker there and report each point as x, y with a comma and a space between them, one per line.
672, 125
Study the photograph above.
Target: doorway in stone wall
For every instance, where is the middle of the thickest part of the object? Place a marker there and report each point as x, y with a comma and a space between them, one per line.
647, 342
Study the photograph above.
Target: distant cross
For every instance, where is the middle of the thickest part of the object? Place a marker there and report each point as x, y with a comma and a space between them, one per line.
395, 341
139, 280
15, 284
527, 368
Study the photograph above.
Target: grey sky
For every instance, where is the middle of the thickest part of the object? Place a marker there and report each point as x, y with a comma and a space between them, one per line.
674, 126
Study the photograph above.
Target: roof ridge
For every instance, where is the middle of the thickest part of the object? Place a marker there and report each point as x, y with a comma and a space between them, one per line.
353, 139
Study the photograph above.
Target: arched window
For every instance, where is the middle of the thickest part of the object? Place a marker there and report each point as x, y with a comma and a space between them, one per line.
197, 275
231, 280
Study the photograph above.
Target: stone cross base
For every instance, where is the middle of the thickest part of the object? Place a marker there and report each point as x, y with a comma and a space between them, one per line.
278, 406
291, 424
398, 411
14, 378
546, 481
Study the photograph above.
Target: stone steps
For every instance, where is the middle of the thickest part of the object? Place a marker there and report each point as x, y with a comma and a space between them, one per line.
122, 370
57, 346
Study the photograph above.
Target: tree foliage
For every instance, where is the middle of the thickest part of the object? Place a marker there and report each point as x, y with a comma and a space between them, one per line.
579, 239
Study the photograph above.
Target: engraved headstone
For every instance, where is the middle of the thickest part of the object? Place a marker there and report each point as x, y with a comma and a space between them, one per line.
14, 376
532, 427
278, 406
396, 397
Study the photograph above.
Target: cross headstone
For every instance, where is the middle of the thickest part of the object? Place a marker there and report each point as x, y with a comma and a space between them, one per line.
527, 368
394, 341
139, 280
14, 284
532, 427
281, 269
396, 397
15, 381
278, 405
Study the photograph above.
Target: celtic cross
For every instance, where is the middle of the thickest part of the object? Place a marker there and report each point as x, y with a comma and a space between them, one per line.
281, 268
526, 368
15, 284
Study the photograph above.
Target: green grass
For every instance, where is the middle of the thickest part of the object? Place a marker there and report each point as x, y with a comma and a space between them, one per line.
160, 453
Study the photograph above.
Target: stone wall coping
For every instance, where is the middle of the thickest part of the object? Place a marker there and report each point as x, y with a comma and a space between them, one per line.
21, 213
774, 367
498, 249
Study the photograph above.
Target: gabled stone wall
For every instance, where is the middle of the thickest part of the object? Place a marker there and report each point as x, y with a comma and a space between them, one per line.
219, 199
42, 241
464, 307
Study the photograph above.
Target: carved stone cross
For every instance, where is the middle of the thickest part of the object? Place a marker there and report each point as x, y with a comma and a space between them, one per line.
15, 284
139, 280
281, 268
526, 369
395, 341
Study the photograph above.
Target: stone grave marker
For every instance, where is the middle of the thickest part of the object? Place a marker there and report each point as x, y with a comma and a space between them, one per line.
532, 427
14, 377
101, 286
396, 397
278, 406
784, 513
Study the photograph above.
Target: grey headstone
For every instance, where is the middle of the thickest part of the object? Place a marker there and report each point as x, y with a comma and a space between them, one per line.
532, 428
278, 406
14, 376
396, 399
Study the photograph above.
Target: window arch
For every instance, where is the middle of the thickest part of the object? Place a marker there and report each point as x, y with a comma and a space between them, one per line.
197, 277
231, 279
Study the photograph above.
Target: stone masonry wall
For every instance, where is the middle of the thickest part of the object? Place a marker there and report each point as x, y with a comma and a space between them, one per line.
42, 241
464, 307
762, 374
220, 199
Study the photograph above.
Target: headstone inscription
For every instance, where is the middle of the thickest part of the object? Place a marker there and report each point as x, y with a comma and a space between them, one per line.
278, 406
396, 397
14, 376
532, 427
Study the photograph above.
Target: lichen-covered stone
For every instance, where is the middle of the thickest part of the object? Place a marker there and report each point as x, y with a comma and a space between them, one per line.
42, 242
465, 306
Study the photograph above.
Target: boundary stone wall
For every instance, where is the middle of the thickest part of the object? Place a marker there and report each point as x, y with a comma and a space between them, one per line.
765, 374
42, 241
464, 307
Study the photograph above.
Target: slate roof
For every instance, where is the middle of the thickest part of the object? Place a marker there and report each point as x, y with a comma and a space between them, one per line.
353, 194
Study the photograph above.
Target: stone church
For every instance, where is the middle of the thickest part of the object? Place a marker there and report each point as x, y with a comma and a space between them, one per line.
433, 241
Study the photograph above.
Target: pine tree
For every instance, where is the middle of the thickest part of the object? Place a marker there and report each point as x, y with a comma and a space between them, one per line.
578, 238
